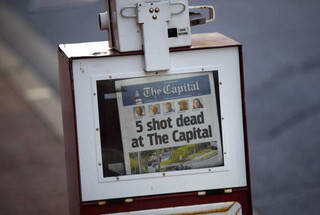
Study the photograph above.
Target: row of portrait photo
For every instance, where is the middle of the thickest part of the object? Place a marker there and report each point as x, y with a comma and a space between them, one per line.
168, 107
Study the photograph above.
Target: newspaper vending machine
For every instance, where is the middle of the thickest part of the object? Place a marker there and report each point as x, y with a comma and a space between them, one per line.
154, 118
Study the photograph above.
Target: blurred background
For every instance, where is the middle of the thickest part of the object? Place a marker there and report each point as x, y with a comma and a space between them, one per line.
282, 79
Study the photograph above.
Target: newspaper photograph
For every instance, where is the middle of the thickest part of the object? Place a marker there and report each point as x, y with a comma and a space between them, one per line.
169, 123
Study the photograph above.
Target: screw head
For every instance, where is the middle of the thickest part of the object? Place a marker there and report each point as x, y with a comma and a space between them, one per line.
154, 17
151, 10
157, 10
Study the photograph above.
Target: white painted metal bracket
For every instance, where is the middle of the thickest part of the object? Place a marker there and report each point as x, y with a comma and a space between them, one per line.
153, 17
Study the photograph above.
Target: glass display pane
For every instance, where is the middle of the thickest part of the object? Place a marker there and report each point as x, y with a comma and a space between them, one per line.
160, 123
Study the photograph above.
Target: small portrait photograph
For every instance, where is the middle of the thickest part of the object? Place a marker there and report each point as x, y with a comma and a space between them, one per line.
168, 107
197, 103
183, 105
139, 111
154, 109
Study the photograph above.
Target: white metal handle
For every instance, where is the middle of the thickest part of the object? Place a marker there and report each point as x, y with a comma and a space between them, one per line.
125, 12
212, 14
181, 10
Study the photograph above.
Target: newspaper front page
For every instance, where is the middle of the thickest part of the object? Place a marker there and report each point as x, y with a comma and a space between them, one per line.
169, 123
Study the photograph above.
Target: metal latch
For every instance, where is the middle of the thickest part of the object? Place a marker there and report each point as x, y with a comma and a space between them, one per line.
153, 18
